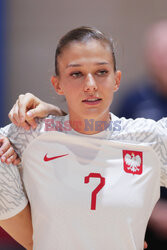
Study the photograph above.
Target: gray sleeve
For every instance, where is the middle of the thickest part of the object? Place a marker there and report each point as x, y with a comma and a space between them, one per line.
161, 149
12, 197
16, 136
19, 137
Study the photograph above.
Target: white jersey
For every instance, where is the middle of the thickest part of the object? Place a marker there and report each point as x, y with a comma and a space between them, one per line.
90, 192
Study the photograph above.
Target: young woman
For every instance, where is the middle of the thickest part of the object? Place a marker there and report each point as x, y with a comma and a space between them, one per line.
92, 179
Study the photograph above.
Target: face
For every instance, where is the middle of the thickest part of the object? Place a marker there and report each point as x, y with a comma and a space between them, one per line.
87, 79
156, 56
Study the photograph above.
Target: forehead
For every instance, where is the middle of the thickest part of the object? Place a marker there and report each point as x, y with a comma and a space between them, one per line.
92, 51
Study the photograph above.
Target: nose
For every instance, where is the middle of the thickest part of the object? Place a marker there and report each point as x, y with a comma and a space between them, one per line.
90, 84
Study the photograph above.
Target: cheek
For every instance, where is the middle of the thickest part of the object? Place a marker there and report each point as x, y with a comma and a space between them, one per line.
109, 85
109, 89
71, 91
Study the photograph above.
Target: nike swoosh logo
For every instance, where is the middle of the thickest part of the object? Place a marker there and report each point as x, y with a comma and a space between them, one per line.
52, 158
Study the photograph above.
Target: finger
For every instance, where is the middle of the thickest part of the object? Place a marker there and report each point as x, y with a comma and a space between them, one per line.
5, 145
24, 102
7, 154
13, 120
11, 117
25, 125
14, 114
1, 152
36, 112
32, 123
17, 113
145, 245
17, 161
11, 159
1, 143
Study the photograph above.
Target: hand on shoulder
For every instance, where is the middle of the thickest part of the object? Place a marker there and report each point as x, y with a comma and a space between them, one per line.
28, 107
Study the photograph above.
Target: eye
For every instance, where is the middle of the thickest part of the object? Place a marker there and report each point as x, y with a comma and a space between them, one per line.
102, 72
76, 74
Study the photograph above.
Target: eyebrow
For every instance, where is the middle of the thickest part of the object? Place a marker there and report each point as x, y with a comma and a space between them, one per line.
78, 65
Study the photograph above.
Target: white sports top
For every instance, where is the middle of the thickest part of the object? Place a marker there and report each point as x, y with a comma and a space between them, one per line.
89, 192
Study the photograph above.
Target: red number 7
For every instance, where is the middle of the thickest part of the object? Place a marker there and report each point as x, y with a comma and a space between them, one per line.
97, 189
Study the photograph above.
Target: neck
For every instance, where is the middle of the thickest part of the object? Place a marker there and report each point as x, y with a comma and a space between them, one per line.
90, 125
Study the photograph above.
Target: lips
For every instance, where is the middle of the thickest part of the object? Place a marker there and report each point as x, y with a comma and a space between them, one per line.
92, 100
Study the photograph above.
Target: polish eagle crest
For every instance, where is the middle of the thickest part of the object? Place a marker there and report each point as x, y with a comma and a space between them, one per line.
133, 161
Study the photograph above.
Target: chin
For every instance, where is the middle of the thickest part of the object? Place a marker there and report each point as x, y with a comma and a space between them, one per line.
93, 114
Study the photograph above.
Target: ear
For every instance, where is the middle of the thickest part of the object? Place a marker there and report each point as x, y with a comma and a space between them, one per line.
117, 80
56, 84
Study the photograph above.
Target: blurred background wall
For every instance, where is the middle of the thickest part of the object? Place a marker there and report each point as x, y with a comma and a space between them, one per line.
34, 27
3, 30
30, 31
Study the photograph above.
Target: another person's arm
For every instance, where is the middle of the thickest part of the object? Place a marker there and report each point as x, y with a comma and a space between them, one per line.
19, 227
15, 216
28, 107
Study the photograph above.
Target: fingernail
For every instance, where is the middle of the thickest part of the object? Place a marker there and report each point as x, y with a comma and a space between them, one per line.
3, 158
1, 152
8, 160
29, 113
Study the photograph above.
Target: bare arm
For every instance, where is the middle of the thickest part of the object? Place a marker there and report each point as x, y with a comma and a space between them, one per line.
20, 227
158, 220
28, 107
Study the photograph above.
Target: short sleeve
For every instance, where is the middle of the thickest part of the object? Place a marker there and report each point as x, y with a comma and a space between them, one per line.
19, 137
161, 149
12, 197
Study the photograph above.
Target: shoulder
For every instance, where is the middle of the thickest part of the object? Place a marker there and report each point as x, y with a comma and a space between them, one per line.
135, 130
162, 133
138, 125
20, 137
143, 130
162, 123
161, 148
